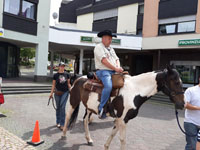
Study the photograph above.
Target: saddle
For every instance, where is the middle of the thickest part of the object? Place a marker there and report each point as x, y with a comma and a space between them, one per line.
93, 84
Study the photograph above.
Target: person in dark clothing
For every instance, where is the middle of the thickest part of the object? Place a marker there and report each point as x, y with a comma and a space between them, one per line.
60, 87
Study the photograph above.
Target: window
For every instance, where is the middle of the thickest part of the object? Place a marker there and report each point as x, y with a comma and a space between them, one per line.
141, 9
28, 10
167, 29
176, 28
186, 27
139, 31
12, 6
20, 8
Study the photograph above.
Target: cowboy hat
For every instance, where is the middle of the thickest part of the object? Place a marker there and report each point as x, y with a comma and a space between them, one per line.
106, 32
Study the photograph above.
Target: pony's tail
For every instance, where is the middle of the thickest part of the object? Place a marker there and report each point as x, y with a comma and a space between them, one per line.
73, 118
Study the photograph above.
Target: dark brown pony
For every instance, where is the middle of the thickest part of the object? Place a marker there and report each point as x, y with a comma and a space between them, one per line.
136, 90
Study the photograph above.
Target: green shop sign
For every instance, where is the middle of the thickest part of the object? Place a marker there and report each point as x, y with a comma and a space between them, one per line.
189, 42
86, 39
98, 40
116, 41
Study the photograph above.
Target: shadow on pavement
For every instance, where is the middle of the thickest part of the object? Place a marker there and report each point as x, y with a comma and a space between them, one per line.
50, 131
61, 145
79, 127
159, 112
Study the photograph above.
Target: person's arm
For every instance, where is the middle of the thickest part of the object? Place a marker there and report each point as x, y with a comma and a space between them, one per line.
69, 85
198, 146
191, 107
52, 88
109, 65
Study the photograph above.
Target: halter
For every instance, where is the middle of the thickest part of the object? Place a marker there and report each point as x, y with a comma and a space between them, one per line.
173, 93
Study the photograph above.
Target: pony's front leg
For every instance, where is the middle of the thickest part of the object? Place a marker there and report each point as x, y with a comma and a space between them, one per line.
87, 132
114, 132
68, 116
122, 134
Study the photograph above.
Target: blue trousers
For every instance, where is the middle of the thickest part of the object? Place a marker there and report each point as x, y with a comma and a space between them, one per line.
191, 129
61, 104
106, 77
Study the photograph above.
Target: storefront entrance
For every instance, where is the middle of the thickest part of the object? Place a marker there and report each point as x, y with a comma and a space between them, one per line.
9, 59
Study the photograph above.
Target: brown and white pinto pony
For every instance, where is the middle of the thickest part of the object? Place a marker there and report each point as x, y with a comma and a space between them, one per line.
136, 90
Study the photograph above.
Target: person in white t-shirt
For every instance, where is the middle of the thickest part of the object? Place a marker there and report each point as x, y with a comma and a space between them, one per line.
192, 115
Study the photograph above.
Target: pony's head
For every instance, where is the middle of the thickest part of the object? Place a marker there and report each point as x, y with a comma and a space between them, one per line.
172, 86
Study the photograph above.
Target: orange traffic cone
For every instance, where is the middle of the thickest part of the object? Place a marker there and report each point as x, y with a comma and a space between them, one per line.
36, 136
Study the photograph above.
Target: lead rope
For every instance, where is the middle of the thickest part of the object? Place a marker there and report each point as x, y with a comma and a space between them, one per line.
52, 102
176, 113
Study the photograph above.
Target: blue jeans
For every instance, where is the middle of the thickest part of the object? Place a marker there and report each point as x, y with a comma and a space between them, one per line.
60, 104
191, 129
106, 77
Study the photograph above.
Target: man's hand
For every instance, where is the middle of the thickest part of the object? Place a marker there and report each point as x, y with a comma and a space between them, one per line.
119, 69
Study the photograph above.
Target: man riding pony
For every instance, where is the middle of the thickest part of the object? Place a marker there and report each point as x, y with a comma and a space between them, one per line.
106, 64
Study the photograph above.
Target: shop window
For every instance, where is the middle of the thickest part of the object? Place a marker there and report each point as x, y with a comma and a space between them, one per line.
186, 26
186, 73
12, 6
28, 10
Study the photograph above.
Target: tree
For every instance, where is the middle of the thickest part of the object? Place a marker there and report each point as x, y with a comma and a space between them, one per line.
26, 54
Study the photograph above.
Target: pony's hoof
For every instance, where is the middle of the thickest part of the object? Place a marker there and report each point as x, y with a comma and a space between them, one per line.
63, 137
90, 143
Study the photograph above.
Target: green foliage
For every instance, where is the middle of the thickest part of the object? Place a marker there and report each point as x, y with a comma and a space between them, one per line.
25, 55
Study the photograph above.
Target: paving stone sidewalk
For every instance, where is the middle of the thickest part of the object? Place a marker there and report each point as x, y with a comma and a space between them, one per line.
9, 141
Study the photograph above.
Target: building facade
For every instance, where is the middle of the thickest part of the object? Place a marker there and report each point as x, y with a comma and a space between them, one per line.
171, 32
169, 28
23, 23
151, 34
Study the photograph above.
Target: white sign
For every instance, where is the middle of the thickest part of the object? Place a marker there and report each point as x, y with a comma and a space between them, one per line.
1, 32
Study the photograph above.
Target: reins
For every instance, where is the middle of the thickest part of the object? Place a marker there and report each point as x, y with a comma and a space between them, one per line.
176, 113
52, 102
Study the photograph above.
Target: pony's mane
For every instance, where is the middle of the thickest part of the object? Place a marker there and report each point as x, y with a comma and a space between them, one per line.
142, 75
